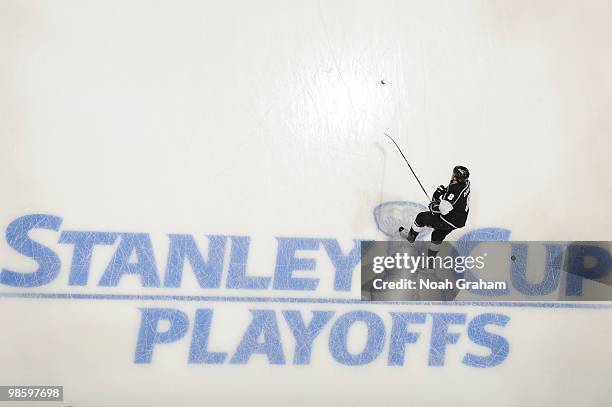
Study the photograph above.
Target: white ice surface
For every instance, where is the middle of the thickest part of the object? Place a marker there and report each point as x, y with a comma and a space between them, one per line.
265, 119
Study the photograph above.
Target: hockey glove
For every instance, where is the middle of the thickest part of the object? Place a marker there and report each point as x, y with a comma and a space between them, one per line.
439, 192
434, 207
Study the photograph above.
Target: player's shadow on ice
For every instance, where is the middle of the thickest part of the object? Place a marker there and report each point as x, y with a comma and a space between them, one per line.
389, 216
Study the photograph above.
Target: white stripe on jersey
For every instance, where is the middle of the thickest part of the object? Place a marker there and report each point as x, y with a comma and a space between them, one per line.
441, 217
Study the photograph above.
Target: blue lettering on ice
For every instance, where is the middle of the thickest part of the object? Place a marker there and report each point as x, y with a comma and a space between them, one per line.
140, 244
499, 345
149, 335
577, 258
466, 243
287, 263
440, 336
338, 339
401, 334
84, 243
343, 264
552, 270
198, 352
135, 255
263, 324
48, 261
236, 277
183, 248
262, 336
305, 334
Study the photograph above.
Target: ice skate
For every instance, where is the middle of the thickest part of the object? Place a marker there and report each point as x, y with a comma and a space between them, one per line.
408, 234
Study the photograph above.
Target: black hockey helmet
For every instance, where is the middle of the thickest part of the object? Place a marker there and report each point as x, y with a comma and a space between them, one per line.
461, 172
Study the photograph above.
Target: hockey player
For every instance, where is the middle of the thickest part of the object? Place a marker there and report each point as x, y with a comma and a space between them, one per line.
448, 211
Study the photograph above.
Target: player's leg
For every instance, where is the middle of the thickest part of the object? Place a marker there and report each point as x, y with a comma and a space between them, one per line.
422, 220
437, 237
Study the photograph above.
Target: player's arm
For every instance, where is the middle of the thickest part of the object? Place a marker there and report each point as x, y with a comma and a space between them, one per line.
451, 198
434, 207
441, 190
443, 207
438, 205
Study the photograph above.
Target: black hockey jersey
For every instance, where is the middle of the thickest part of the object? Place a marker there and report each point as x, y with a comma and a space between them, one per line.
459, 197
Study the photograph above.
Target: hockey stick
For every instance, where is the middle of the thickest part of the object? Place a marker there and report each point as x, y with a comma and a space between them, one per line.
409, 166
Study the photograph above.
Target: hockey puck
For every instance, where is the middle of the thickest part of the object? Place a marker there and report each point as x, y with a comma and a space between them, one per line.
512, 258
383, 82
